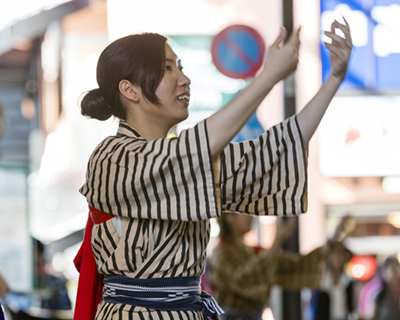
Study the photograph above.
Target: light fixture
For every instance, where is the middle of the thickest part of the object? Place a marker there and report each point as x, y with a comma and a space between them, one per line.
394, 219
391, 185
362, 267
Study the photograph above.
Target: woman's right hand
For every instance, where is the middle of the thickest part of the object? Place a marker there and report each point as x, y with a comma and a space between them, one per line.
282, 59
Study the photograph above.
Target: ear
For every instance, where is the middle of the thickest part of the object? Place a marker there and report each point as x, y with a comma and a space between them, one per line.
129, 91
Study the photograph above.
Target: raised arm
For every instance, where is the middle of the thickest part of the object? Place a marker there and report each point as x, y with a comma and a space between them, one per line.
340, 48
281, 60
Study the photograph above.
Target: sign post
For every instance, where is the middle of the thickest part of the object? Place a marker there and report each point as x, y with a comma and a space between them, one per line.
291, 303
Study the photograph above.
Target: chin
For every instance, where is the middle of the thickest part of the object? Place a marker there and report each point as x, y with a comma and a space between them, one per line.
183, 118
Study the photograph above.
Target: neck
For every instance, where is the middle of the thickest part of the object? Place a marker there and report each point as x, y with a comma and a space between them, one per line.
149, 128
149, 131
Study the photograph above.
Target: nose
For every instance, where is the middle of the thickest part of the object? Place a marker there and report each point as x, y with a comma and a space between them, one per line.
184, 80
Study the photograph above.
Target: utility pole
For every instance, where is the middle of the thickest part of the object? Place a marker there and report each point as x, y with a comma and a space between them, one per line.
291, 305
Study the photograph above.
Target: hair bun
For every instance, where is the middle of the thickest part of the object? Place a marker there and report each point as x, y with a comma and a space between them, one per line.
94, 105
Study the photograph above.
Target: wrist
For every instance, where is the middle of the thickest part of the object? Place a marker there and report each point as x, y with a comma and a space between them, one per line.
335, 79
270, 76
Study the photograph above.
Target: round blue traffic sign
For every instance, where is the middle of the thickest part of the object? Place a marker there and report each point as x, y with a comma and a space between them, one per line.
238, 51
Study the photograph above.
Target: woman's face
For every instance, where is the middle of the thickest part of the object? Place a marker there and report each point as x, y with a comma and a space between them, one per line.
173, 90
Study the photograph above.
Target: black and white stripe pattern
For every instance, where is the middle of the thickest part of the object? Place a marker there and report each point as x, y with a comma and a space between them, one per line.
167, 189
115, 290
160, 179
268, 175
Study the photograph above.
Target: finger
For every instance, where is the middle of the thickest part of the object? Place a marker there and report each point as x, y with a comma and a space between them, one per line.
298, 31
338, 52
295, 38
282, 36
344, 28
347, 25
345, 21
298, 37
346, 31
337, 40
332, 30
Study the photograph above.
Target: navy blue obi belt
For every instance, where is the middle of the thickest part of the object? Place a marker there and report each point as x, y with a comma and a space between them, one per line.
166, 294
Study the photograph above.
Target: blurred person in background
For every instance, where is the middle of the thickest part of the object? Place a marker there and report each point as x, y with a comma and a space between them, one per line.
2, 121
151, 198
3, 287
3, 292
51, 287
387, 302
335, 299
48, 300
241, 277
3, 283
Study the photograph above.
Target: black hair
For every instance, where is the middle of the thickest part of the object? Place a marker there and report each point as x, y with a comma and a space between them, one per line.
384, 285
388, 261
225, 230
138, 58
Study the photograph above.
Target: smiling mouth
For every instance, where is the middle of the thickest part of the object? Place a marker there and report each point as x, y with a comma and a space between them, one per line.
184, 97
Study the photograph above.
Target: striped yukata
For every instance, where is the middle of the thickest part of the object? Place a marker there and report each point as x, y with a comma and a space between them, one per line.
165, 191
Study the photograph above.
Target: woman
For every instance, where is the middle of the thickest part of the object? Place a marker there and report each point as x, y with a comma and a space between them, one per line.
161, 193
387, 303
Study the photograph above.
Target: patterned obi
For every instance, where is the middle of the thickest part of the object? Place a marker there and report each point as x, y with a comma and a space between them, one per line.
167, 294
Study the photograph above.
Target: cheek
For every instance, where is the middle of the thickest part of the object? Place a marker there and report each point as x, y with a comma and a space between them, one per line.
160, 91
165, 88
162, 87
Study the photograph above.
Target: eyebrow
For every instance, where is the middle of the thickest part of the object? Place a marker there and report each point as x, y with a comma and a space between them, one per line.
173, 61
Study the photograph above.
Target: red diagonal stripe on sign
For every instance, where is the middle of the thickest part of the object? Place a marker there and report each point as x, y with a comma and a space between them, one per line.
238, 51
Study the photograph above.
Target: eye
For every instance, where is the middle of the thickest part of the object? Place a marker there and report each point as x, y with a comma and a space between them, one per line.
168, 68
181, 68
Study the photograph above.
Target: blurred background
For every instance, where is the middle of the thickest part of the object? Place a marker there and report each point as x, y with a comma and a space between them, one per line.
48, 55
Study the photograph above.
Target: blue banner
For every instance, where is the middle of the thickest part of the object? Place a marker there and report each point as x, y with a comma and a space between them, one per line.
375, 30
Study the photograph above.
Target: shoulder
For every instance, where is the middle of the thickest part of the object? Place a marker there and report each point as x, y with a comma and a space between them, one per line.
113, 148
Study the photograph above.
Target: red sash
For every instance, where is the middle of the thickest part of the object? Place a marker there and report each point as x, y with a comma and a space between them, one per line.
90, 285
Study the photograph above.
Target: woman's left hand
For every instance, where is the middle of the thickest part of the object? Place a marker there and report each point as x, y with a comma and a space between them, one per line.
340, 49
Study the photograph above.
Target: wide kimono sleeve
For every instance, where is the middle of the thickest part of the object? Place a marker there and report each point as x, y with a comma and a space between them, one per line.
171, 179
268, 175
293, 271
239, 279
244, 280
